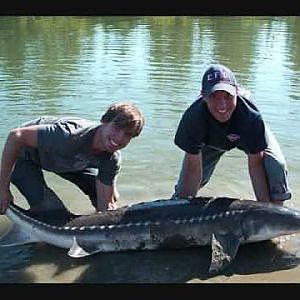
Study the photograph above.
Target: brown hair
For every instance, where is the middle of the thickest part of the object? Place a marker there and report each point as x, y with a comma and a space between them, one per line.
126, 116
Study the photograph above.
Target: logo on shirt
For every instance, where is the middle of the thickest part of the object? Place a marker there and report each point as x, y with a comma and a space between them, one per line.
232, 137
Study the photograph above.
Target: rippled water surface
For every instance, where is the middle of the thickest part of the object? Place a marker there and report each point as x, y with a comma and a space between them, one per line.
80, 65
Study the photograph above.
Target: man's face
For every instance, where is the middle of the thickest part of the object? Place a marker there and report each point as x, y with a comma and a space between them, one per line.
221, 105
112, 138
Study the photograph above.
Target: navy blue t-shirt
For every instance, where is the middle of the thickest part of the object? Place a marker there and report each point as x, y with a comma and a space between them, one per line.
245, 129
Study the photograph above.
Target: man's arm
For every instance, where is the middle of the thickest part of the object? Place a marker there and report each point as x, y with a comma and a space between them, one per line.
258, 176
17, 138
107, 195
190, 175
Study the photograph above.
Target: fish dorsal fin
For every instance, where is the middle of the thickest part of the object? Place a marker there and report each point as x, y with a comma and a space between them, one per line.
16, 236
224, 249
81, 249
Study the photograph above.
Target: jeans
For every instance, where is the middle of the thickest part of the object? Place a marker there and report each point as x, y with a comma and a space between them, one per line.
29, 179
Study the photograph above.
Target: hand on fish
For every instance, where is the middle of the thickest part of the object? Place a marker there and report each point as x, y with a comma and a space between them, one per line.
5, 199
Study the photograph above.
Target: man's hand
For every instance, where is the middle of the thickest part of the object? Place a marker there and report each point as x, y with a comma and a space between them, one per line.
5, 199
112, 205
107, 196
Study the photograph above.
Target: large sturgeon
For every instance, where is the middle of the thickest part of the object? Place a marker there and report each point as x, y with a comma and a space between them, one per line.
223, 223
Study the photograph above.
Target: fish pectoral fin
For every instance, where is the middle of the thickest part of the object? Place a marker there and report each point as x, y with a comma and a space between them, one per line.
81, 249
16, 236
224, 249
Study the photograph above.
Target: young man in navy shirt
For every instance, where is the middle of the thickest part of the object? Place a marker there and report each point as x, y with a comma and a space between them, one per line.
220, 120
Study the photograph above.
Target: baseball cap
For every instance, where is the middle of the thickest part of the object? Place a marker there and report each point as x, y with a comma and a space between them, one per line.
218, 78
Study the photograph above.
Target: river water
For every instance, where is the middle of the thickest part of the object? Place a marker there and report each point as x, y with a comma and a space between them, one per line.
64, 65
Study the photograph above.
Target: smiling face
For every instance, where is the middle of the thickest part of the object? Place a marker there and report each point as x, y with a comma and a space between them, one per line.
221, 105
120, 123
109, 137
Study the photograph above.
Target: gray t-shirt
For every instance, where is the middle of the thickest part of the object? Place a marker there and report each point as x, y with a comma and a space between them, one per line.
65, 144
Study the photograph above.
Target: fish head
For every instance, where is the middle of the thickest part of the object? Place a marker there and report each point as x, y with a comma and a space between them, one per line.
267, 221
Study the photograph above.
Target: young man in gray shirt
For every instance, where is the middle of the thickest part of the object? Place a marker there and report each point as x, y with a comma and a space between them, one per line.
81, 151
